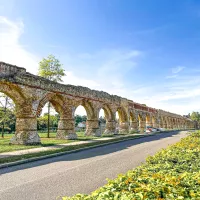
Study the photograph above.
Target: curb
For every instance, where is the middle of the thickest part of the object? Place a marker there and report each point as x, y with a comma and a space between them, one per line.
10, 164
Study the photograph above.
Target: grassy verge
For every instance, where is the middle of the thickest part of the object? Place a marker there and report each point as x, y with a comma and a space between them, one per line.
6, 147
64, 149
172, 173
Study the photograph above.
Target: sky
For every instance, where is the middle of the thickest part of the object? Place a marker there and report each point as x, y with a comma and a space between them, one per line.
144, 50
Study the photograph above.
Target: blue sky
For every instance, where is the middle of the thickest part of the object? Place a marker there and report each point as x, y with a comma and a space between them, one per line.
144, 50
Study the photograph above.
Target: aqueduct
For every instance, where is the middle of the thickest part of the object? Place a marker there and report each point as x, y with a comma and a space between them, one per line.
30, 93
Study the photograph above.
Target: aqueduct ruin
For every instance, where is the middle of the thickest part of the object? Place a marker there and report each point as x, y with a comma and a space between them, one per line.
30, 93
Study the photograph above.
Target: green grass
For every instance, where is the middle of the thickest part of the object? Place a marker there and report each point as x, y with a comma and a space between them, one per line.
64, 149
6, 147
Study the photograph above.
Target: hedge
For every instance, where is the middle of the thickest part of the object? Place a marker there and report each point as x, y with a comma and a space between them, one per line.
172, 173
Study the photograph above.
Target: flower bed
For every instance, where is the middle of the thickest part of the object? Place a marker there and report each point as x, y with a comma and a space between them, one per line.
173, 173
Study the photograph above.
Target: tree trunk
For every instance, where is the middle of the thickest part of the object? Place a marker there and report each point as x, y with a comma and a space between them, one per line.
48, 124
5, 109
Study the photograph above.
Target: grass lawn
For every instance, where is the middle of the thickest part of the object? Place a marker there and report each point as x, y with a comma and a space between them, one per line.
64, 149
6, 147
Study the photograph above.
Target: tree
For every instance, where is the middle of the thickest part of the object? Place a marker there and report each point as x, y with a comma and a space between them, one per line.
51, 68
43, 121
79, 118
195, 116
102, 120
7, 114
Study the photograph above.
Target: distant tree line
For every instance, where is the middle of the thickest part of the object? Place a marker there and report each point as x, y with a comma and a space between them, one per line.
194, 116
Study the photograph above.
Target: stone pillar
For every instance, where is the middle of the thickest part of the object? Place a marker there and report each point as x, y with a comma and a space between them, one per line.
134, 126
142, 126
149, 123
66, 129
155, 125
110, 127
123, 127
26, 131
92, 128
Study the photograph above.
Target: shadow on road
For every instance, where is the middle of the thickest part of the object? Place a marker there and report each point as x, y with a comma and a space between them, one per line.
84, 154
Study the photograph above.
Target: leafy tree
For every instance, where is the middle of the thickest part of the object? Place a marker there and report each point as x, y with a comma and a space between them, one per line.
51, 68
79, 118
102, 120
195, 116
7, 114
43, 121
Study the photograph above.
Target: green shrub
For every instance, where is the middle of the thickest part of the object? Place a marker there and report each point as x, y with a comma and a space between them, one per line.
173, 173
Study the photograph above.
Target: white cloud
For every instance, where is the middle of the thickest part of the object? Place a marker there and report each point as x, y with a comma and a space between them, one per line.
74, 80
106, 70
172, 76
11, 51
177, 69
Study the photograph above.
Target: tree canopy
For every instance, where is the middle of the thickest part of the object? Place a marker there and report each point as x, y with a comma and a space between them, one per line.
51, 68
195, 116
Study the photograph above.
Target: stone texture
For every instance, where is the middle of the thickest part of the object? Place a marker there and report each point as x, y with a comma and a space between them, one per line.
124, 127
30, 93
110, 127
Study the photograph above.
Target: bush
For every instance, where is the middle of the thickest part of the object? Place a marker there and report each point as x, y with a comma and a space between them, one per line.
172, 173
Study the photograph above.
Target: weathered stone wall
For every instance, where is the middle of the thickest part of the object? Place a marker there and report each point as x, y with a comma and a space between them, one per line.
30, 93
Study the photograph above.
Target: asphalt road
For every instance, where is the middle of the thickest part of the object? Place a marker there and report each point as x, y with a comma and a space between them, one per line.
80, 172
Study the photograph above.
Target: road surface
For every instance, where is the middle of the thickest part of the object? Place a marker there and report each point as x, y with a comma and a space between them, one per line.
80, 172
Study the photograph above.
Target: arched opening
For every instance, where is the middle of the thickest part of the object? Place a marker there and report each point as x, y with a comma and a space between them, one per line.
92, 123
148, 121
102, 120
7, 116
107, 120
117, 121
122, 122
141, 122
133, 126
154, 123
80, 118
173, 123
26, 123
63, 113
47, 121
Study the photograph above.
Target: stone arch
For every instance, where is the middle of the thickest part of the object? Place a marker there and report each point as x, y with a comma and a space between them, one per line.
88, 108
63, 106
109, 115
123, 120
123, 116
26, 122
133, 116
22, 105
13, 91
154, 121
92, 123
59, 102
142, 121
148, 119
173, 123
110, 119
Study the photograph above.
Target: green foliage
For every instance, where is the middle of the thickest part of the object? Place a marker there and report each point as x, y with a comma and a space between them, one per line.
79, 118
195, 116
51, 68
8, 119
102, 120
7, 114
172, 173
43, 121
